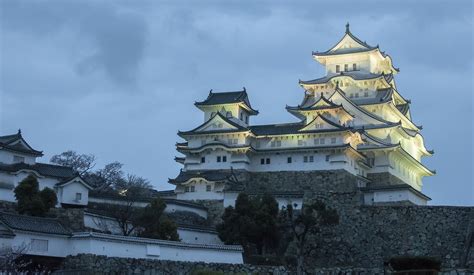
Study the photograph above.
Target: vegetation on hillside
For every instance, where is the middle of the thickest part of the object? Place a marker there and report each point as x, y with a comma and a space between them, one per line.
31, 200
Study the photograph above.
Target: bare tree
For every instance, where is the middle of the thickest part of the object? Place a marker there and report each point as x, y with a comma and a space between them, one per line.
309, 221
132, 190
108, 176
10, 259
81, 163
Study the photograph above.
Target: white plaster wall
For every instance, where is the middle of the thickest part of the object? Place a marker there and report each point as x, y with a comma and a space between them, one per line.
58, 246
68, 194
6, 157
125, 249
381, 196
200, 194
193, 236
362, 60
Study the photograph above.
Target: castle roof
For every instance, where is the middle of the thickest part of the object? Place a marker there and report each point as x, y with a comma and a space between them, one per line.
33, 224
209, 175
43, 169
227, 98
237, 127
356, 75
16, 143
362, 45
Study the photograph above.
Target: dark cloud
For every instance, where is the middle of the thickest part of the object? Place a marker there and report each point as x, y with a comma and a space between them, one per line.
118, 78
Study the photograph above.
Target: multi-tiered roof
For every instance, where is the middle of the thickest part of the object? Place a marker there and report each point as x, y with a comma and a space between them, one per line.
354, 113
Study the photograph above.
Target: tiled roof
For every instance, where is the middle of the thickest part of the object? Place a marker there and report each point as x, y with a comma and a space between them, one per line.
356, 75
276, 129
16, 143
226, 98
199, 228
44, 169
210, 175
291, 128
403, 108
33, 224
237, 126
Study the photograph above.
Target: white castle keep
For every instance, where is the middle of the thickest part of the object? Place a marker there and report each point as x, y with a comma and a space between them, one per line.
353, 118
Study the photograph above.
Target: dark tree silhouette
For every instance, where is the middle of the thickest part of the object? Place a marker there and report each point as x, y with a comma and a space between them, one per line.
309, 220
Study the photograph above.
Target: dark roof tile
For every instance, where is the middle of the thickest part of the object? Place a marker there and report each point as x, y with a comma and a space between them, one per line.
34, 224
44, 169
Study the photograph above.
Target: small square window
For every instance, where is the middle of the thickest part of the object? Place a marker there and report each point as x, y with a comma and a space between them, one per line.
218, 158
333, 140
203, 159
262, 161
18, 159
346, 67
224, 159
327, 157
322, 140
366, 94
289, 160
354, 67
208, 188
338, 68
305, 159
186, 189
193, 188
78, 196
316, 141
311, 158
268, 161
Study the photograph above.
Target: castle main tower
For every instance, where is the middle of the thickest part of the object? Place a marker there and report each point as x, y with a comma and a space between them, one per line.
352, 119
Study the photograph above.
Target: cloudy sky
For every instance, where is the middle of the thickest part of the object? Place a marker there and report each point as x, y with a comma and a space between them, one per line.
118, 79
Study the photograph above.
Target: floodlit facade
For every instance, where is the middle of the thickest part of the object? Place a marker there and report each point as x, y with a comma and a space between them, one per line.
353, 119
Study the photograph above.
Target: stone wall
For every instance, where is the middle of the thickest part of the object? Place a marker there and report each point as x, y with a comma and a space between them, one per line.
100, 265
337, 188
215, 210
72, 218
368, 236
383, 179
92, 264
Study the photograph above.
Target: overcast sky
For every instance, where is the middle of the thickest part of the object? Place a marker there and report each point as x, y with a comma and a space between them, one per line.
118, 79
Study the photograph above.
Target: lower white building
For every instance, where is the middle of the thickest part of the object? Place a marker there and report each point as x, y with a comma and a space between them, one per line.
18, 161
48, 237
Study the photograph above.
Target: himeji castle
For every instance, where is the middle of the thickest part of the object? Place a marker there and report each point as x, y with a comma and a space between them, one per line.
353, 119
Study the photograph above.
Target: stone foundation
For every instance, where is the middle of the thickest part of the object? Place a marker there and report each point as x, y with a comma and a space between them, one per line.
91, 264
383, 179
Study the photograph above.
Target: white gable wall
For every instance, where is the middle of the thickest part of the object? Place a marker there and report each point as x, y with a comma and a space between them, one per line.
6, 157
68, 194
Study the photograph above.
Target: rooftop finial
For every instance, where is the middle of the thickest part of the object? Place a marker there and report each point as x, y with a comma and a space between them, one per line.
244, 89
19, 131
347, 27
210, 91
